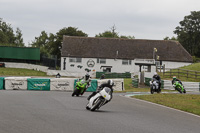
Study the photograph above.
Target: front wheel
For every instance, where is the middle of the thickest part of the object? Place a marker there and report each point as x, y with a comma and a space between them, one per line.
152, 90
87, 107
96, 104
179, 89
75, 92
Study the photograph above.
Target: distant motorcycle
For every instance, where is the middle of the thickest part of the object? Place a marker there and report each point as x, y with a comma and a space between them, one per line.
99, 99
179, 87
80, 88
154, 86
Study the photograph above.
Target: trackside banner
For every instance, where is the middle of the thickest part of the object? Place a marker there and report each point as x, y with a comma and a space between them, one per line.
118, 84
93, 86
1, 83
16, 83
64, 84
39, 84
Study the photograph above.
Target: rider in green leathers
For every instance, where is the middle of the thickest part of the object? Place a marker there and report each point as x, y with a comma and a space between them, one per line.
175, 79
87, 79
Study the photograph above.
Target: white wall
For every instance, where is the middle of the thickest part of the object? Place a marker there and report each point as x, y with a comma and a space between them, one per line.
116, 65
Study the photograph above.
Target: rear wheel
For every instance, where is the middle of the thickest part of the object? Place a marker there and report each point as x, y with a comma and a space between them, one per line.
184, 91
159, 91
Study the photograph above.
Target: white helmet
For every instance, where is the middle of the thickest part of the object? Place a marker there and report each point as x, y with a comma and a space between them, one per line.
110, 82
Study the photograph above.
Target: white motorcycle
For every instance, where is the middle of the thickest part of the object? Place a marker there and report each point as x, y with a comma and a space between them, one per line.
99, 99
154, 86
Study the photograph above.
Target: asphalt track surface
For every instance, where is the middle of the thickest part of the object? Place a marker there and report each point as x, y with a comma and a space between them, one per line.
58, 112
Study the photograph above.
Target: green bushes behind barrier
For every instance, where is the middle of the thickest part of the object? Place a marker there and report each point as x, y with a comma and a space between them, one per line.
113, 75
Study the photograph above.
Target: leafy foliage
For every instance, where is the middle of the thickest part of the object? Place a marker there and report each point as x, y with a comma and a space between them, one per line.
113, 34
51, 44
173, 38
7, 36
189, 33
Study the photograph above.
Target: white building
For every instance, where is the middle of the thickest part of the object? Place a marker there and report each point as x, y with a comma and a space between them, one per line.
80, 54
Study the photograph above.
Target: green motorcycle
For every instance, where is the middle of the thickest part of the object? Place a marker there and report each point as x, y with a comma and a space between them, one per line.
80, 88
180, 88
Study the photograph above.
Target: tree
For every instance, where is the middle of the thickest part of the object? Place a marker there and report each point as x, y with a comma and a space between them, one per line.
42, 43
7, 36
113, 34
188, 33
70, 31
51, 44
127, 37
109, 34
18, 38
173, 38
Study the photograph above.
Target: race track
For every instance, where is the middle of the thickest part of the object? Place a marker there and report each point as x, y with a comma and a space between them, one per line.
58, 112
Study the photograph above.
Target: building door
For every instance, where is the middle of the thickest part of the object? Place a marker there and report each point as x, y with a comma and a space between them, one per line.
106, 68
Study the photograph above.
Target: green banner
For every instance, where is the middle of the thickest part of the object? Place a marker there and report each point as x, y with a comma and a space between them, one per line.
26, 53
1, 83
38, 84
93, 86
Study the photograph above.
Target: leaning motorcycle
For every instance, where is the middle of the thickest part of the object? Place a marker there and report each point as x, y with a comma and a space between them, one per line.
99, 99
80, 87
154, 86
179, 87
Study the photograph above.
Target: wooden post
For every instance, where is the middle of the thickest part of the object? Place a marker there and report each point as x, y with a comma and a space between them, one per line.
178, 73
195, 75
163, 70
160, 68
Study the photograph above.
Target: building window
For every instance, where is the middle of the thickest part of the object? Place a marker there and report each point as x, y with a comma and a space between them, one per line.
75, 60
126, 62
101, 61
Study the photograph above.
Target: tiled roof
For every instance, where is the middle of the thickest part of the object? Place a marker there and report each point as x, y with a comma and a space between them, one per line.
91, 47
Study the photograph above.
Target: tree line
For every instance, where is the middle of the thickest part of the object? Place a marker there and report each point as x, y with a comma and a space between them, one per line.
188, 34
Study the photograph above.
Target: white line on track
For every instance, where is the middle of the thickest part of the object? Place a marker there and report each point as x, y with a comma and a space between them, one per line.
161, 105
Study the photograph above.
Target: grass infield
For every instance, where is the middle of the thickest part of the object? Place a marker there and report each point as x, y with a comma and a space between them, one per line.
20, 72
185, 102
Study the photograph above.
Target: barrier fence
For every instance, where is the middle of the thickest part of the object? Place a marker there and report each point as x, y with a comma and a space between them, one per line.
182, 73
47, 84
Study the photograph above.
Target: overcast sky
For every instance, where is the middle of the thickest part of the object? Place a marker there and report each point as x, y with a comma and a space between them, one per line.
144, 19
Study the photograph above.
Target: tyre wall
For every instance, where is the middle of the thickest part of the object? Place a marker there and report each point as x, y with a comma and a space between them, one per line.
47, 84
16, 83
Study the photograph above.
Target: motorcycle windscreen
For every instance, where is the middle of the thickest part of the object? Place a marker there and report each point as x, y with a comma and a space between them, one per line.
108, 90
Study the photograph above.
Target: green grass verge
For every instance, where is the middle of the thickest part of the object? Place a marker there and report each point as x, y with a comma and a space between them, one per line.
129, 88
187, 102
20, 72
193, 67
